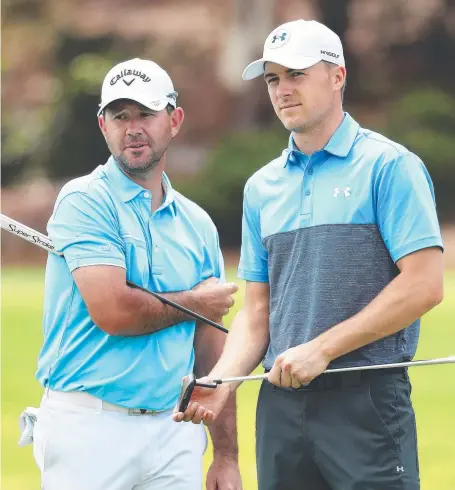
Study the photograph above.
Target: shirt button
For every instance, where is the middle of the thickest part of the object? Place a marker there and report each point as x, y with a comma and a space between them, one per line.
146, 194
310, 171
307, 193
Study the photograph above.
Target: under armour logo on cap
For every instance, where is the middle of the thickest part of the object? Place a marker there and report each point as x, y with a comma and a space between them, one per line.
278, 38
282, 37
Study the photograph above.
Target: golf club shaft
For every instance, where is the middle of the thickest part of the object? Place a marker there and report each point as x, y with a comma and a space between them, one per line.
425, 362
37, 238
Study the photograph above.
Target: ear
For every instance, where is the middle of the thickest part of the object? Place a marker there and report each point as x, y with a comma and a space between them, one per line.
102, 124
177, 117
340, 77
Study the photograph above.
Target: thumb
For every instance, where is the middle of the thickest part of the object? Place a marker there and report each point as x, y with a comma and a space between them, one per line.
232, 287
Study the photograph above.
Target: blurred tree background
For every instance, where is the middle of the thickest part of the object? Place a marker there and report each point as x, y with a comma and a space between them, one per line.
55, 54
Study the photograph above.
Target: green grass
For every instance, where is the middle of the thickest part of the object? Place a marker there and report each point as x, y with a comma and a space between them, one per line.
433, 387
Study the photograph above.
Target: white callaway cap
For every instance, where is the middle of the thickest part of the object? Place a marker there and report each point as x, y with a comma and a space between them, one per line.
298, 44
140, 80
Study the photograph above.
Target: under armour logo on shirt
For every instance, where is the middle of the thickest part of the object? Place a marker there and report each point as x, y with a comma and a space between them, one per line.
346, 191
400, 469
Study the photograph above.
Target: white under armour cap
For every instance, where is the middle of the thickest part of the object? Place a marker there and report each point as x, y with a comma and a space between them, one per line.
140, 80
298, 45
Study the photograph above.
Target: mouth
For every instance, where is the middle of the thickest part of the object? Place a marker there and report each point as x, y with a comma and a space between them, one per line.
289, 106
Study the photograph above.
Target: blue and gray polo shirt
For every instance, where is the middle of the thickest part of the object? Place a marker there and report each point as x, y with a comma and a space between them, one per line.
326, 231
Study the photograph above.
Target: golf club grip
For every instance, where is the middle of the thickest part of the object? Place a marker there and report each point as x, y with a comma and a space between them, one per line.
184, 402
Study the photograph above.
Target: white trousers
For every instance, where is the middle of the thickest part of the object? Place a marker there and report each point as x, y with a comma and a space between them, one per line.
78, 446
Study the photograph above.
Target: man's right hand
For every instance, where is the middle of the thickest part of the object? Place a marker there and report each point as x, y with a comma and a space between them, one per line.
205, 404
214, 298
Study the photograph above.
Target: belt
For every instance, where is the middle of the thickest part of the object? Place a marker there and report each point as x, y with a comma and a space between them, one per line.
349, 379
84, 399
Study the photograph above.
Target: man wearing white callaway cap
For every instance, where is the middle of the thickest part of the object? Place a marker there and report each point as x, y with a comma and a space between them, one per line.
342, 254
113, 357
143, 81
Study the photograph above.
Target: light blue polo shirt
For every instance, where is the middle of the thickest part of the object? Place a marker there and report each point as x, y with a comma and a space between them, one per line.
105, 218
326, 231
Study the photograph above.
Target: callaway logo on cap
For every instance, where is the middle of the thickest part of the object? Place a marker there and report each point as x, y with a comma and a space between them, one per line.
298, 45
140, 80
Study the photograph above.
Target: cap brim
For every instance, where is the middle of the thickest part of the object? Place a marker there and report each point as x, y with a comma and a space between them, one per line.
256, 68
157, 104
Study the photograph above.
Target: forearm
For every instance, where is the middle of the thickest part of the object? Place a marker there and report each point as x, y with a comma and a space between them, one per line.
208, 346
119, 309
398, 305
141, 313
245, 347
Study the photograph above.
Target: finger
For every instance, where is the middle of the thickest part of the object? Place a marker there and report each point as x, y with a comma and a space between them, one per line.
199, 415
286, 378
274, 374
305, 380
295, 383
208, 418
190, 412
232, 286
177, 416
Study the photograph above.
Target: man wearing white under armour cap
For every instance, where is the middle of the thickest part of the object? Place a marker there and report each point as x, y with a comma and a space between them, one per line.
342, 254
298, 45
113, 356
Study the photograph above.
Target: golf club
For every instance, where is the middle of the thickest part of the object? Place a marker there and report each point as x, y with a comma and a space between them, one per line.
37, 238
190, 382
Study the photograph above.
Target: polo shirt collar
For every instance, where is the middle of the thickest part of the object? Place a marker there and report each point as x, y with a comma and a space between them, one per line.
340, 143
128, 189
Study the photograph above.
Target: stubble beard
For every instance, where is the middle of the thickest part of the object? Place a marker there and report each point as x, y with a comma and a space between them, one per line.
142, 170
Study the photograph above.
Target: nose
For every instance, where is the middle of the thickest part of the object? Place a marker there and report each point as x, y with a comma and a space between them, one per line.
134, 127
284, 88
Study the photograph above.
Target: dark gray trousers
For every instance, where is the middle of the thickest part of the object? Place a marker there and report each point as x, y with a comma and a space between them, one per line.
350, 431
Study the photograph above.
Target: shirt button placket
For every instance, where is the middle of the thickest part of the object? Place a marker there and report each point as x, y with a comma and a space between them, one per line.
307, 190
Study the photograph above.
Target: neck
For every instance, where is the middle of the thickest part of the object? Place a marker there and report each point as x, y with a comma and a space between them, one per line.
152, 181
318, 136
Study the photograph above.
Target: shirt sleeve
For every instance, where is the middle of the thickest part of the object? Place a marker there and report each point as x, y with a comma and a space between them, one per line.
220, 271
405, 207
86, 232
253, 254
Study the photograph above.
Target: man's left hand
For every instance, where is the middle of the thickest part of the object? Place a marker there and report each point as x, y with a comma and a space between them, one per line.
224, 474
298, 366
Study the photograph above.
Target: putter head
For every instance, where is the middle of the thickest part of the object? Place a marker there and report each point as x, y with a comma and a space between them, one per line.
188, 384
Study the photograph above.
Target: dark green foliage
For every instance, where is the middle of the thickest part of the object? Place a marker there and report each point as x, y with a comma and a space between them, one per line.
218, 188
424, 121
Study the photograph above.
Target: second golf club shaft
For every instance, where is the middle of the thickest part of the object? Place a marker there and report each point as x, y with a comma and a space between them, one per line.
423, 362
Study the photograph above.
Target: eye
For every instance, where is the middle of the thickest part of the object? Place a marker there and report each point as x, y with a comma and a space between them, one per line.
119, 117
146, 114
271, 80
295, 74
